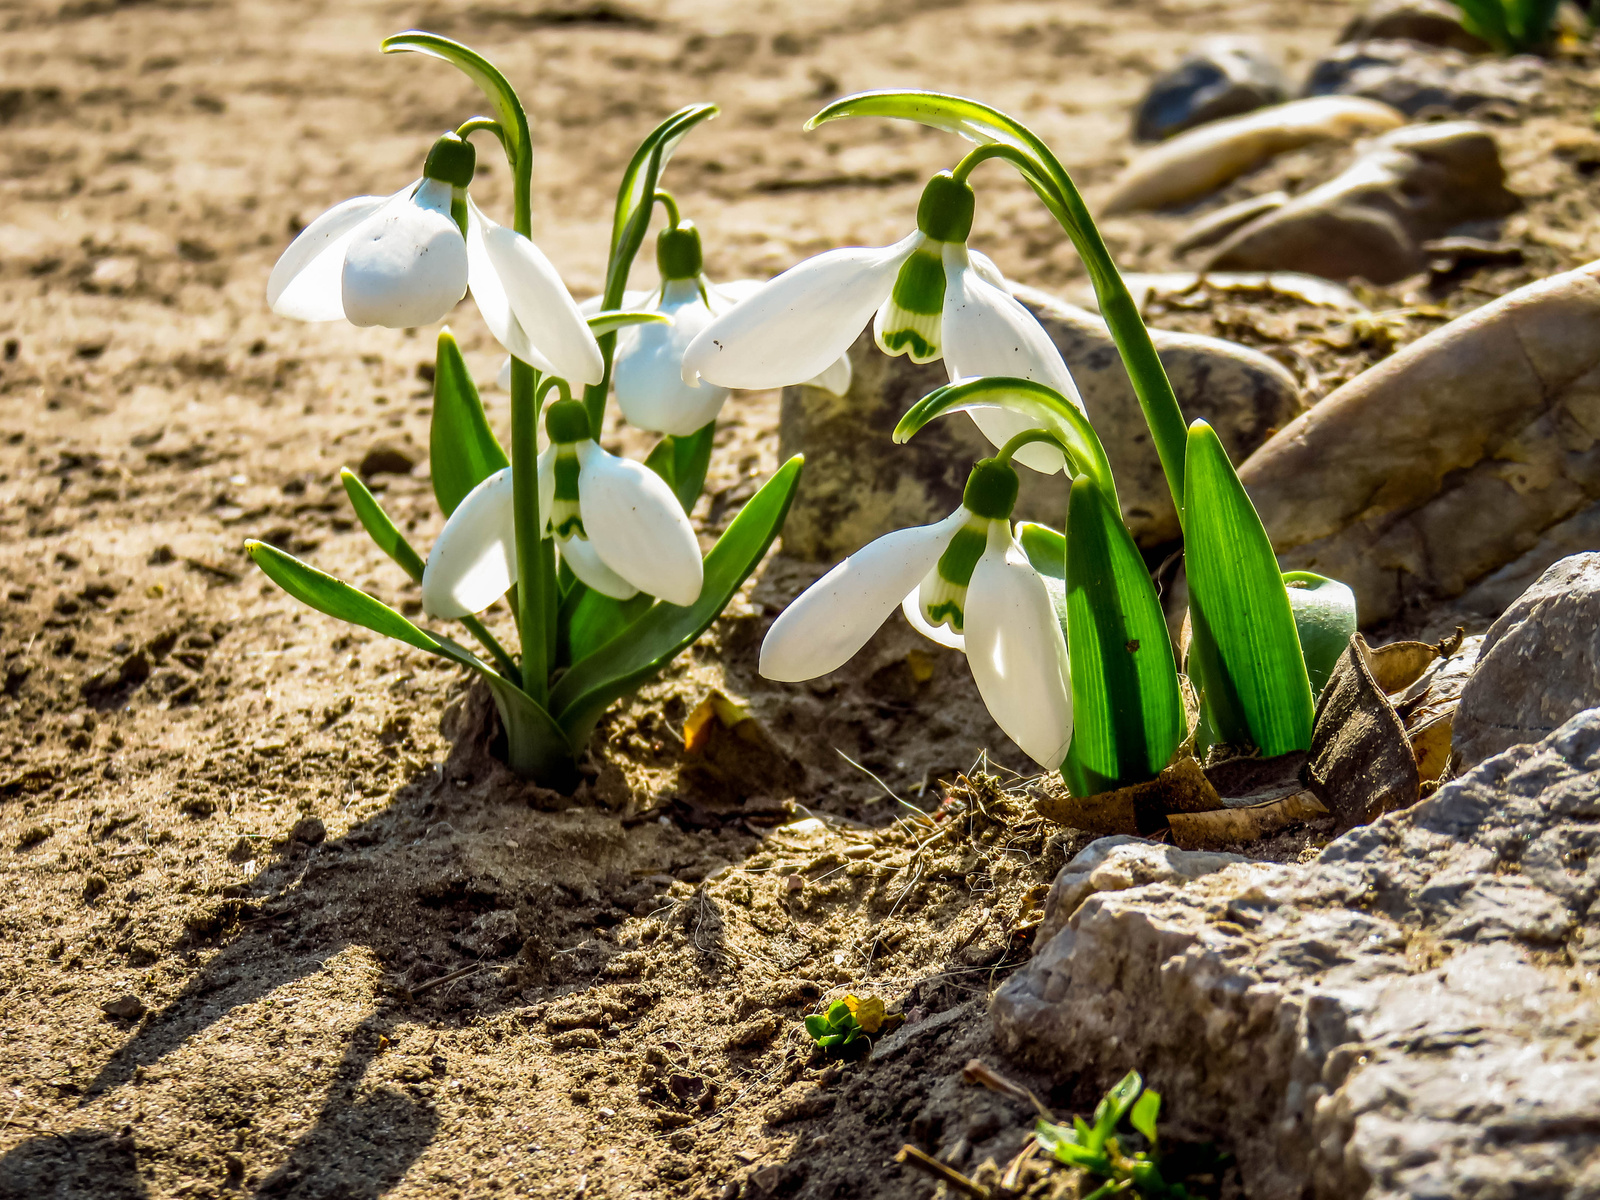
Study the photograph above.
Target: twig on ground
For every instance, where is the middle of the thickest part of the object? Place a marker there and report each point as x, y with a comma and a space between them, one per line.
912, 1157
1011, 1181
979, 1072
449, 977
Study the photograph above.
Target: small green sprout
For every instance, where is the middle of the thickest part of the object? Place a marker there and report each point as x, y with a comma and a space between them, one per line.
1094, 1149
1511, 26
848, 1021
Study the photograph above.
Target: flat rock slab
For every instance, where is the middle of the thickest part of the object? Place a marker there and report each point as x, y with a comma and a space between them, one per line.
859, 485
1448, 461
1411, 1015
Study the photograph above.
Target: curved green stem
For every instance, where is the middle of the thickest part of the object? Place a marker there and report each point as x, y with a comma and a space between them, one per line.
984, 153
667, 202
1062, 420
1027, 438
481, 125
532, 587
1051, 182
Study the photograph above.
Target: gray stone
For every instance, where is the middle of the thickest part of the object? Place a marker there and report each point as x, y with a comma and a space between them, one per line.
1538, 666
859, 485
1412, 77
1410, 1015
1373, 219
1432, 22
1223, 77
1114, 864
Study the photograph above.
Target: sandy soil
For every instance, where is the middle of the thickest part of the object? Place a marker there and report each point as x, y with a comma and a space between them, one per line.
241, 815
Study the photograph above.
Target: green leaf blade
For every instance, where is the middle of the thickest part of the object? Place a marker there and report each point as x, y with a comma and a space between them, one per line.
1146, 1110
335, 598
379, 527
499, 92
593, 684
462, 450
1238, 594
1127, 707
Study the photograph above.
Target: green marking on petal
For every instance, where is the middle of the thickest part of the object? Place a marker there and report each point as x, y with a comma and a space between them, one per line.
961, 556
570, 527
947, 611
566, 472
919, 287
909, 341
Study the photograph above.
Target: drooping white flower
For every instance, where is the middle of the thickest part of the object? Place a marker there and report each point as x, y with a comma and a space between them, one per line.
928, 296
968, 585
616, 523
408, 259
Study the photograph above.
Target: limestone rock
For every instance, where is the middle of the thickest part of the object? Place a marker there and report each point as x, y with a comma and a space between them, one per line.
1113, 864
1412, 78
1410, 1015
1538, 666
1222, 77
1432, 22
1198, 162
1372, 221
1448, 460
859, 485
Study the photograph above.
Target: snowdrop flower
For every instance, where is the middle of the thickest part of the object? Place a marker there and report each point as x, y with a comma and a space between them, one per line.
969, 585
616, 524
933, 298
648, 365
408, 259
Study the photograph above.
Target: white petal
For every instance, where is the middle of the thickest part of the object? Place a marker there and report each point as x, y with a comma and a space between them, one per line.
542, 305
796, 326
474, 561
836, 378
987, 332
586, 565
406, 265
1000, 425
502, 377
649, 367
305, 282
833, 618
1017, 654
725, 295
637, 526
547, 483
986, 269
490, 296
911, 606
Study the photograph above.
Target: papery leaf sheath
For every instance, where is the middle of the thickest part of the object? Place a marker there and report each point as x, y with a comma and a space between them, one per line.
1235, 586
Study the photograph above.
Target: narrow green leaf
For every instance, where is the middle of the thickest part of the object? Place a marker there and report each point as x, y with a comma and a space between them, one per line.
1049, 407
1127, 708
683, 462
501, 95
1114, 1106
1145, 1112
602, 323
377, 523
589, 620
1237, 590
538, 749
462, 449
593, 684
1325, 617
636, 193
336, 598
